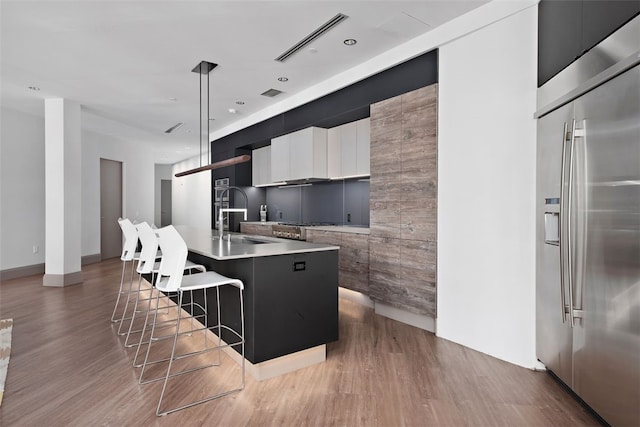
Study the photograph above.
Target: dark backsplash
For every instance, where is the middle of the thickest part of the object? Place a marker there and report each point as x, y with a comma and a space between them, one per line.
337, 202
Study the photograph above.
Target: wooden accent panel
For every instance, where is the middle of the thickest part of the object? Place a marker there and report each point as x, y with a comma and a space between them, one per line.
353, 258
256, 229
354, 262
402, 273
403, 201
324, 237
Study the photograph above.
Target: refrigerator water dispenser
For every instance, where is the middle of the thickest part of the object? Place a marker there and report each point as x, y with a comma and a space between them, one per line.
552, 222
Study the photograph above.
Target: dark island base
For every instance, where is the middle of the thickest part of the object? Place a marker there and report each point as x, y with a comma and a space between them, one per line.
291, 301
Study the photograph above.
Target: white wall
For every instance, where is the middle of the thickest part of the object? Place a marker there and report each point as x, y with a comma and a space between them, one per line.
138, 182
161, 172
486, 188
22, 202
191, 195
22, 187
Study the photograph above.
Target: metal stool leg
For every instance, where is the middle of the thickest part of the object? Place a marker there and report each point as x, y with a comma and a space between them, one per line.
120, 292
173, 357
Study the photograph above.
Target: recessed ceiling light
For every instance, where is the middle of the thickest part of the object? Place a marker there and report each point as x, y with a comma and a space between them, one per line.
173, 99
283, 79
313, 50
350, 42
232, 110
36, 88
240, 102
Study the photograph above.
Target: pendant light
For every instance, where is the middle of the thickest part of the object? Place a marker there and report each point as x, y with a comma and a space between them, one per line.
203, 69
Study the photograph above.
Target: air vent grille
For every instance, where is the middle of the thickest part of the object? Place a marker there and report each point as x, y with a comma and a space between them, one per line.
311, 37
271, 93
174, 127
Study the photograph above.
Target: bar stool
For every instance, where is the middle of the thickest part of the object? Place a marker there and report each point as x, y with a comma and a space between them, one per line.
170, 278
148, 264
129, 254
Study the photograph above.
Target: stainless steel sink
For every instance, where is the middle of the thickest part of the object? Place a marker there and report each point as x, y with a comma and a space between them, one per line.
247, 240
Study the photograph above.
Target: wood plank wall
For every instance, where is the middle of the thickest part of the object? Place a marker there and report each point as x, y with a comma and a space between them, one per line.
403, 201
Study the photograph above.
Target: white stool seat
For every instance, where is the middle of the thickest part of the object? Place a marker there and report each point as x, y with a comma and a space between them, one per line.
205, 280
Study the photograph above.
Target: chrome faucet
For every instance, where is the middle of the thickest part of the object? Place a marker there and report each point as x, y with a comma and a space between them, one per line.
229, 210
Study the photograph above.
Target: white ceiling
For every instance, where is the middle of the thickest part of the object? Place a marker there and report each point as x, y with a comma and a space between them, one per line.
128, 63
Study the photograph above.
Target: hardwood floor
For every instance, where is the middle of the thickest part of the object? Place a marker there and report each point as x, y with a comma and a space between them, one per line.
69, 368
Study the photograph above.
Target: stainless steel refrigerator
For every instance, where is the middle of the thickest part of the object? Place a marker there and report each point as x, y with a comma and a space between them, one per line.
588, 227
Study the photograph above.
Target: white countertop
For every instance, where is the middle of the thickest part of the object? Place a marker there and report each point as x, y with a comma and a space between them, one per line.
206, 242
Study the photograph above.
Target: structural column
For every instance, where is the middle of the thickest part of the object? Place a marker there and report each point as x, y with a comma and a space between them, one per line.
62, 193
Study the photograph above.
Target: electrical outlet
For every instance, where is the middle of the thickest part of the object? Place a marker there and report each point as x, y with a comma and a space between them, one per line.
36, 249
348, 217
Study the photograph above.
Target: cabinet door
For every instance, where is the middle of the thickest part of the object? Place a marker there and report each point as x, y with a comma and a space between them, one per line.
559, 36
261, 166
601, 18
280, 158
349, 148
363, 128
319, 153
301, 153
354, 262
334, 153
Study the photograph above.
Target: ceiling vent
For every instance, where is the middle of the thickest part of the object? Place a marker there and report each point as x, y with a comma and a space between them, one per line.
174, 127
271, 93
311, 37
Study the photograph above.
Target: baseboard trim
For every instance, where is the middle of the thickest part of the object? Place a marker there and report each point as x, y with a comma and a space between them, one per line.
30, 270
355, 296
419, 321
280, 365
90, 259
62, 280
27, 270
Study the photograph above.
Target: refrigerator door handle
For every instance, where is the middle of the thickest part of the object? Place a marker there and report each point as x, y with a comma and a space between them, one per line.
562, 243
569, 245
577, 312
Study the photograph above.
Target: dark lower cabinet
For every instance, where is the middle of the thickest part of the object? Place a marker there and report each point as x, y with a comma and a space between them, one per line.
291, 301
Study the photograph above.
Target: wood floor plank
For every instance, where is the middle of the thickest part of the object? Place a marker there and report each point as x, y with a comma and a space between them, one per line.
69, 368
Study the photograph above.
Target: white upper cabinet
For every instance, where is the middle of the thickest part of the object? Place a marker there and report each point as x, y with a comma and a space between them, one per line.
280, 158
299, 155
348, 149
261, 166
334, 154
363, 130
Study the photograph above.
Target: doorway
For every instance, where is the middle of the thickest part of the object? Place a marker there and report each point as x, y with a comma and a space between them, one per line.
165, 202
110, 208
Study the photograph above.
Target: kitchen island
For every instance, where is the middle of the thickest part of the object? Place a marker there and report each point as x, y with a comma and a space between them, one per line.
290, 296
